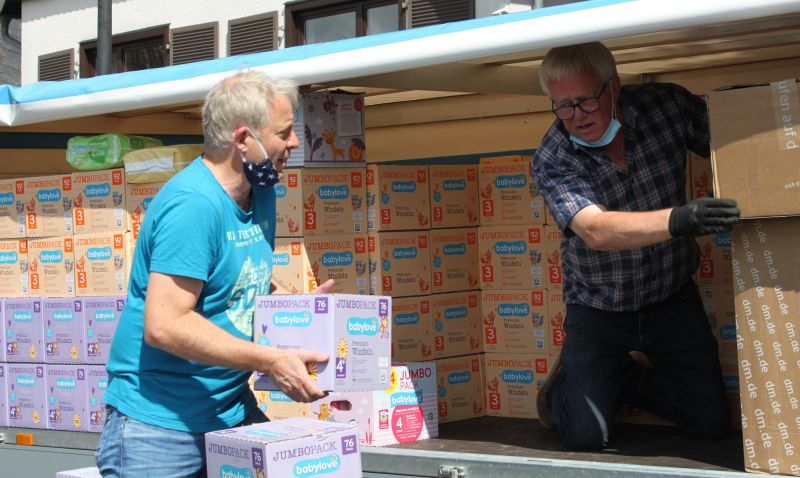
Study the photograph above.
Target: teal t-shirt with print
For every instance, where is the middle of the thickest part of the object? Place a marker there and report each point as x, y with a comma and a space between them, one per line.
192, 228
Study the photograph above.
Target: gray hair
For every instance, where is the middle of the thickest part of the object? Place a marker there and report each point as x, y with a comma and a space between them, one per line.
564, 61
245, 99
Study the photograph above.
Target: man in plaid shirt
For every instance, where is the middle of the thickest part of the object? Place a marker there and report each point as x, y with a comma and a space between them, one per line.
612, 169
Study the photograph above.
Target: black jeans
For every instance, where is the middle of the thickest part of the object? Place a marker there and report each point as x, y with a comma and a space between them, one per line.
598, 376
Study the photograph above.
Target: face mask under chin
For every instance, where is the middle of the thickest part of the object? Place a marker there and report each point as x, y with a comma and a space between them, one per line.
262, 174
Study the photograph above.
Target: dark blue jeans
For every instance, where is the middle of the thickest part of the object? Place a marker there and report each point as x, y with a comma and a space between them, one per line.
598, 376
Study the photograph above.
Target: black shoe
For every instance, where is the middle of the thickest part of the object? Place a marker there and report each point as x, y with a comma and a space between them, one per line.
543, 405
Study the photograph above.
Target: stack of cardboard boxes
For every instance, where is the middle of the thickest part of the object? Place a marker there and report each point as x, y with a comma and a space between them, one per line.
64, 275
755, 133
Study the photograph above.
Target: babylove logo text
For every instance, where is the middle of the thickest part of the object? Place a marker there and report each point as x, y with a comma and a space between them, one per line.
362, 326
317, 466
291, 319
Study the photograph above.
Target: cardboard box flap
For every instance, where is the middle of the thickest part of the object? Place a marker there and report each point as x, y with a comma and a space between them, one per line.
755, 139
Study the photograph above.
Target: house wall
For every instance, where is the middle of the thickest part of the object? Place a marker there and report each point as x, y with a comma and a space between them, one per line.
10, 53
54, 25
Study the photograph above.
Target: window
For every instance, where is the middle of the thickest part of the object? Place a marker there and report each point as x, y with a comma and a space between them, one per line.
316, 21
131, 51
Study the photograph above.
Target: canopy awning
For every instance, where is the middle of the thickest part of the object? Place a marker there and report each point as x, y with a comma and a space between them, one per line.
476, 55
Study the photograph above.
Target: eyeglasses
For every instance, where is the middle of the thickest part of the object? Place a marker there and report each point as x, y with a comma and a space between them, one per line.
587, 105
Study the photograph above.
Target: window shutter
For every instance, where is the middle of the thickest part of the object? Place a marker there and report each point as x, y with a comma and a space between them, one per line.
57, 66
253, 34
195, 43
434, 12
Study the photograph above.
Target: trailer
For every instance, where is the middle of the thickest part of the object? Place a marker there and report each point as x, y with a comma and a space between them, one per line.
464, 90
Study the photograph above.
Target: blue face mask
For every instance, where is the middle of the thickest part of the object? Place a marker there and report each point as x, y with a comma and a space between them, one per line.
262, 174
608, 136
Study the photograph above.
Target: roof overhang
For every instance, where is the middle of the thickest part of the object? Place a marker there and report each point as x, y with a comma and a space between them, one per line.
497, 54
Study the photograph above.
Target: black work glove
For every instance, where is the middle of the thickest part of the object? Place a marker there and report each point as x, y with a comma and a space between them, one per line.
703, 216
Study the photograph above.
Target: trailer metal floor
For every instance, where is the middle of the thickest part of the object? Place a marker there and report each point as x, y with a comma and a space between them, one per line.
644, 445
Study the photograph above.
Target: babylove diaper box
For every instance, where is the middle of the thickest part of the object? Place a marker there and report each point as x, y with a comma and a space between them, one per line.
397, 197
515, 321
511, 257
293, 447
289, 219
556, 313
507, 194
137, 199
552, 251
88, 472
353, 330
3, 395
24, 332
456, 323
301, 264
26, 386
14, 279
48, 205
98, 201
333, 201
63, 331
276, 405
513, 382
399, 263
454, 259
96, 385
101, 316
333, 129
454, 195
101, 264
460, 388
412, 329
51, 264
12, 209
715, 260
67, 397
404, 412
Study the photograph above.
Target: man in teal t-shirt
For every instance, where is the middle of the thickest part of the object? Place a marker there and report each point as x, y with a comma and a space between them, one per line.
182, 353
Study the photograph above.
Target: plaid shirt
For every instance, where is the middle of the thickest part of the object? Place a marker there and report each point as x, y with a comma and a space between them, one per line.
661, 122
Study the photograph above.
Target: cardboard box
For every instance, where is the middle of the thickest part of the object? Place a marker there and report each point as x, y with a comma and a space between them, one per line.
101, 317
404, 412
24, 331
556, 313
552, 248
454, 259
12, 209
98, 201
715, 260
137, 199
64, 331
507, 194
276, 405
14, 279
333, 132
3, 395
289, 218
96, 385
700, 178
755, 139
68, 398
333, 201
513, 382
353, 330
48, 205
454, 195
303, 263
101, 264
456, 324
89, 472
766, 265
290, 447
51, 265
27, 395
461, 388
397, 197
399, 263
511, 257
515, 321
412, 329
